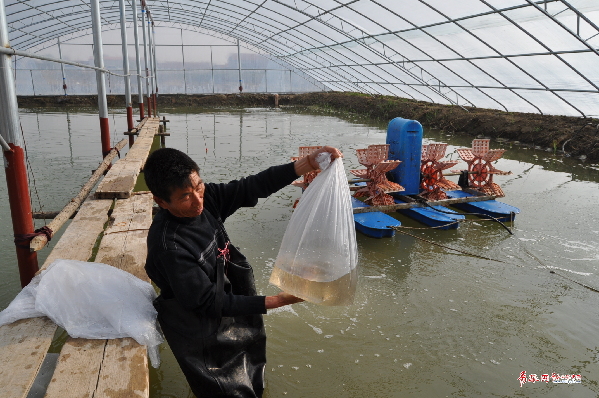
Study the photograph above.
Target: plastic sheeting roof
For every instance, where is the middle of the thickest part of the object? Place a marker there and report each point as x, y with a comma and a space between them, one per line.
515, 55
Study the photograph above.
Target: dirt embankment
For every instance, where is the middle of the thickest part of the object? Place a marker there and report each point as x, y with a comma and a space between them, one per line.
578, 136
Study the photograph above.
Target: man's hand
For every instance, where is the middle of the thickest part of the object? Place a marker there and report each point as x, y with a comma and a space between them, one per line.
308, 163
280, 300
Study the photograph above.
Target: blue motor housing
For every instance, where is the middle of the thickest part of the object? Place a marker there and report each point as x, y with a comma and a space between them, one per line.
404, 137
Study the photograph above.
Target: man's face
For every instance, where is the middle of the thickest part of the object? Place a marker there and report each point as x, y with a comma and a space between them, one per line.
188, 201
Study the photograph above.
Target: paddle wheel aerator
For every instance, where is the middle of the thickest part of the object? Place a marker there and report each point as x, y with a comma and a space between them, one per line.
374, 158
480, 168
431, 171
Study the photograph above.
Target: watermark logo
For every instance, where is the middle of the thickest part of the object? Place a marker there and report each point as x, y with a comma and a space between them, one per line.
554, 378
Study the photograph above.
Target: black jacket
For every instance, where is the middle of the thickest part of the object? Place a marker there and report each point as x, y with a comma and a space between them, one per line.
209, 311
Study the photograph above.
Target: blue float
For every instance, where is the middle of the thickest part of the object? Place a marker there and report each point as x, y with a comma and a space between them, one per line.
374, 224
499, 210
435, 216
404, 137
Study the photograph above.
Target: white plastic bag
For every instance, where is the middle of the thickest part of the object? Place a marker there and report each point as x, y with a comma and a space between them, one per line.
93, 301
318, 255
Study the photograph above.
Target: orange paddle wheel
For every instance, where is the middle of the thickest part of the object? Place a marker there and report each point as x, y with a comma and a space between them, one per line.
480, 168
431, 171
374, 158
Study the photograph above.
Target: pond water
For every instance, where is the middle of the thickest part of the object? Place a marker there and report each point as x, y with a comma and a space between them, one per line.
427, 321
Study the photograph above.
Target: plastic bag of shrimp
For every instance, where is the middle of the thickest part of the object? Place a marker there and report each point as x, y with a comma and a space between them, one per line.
318, 255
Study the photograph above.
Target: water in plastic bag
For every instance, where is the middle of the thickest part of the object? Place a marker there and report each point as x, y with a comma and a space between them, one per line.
318, 255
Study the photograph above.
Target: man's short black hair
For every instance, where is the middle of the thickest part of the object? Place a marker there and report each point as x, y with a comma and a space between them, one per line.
168, 169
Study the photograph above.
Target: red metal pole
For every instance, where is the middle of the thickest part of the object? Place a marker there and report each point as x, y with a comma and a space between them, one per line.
105, 135
130, 125
141, 108
20, 210
149, 101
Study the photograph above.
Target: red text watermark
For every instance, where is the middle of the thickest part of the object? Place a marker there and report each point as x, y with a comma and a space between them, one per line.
554, 378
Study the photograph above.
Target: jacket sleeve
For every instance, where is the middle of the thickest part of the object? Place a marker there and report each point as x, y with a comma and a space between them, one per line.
245, 192
194, 290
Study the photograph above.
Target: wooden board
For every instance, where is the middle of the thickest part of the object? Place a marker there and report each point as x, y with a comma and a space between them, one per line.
23, 347
124, 242
79, 239
80, 377
120, 180
24, 344
122, 176
123, 371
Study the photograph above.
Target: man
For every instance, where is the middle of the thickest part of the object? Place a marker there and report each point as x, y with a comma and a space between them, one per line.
208, 308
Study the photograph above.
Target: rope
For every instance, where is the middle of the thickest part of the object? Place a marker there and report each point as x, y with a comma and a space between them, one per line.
30, 171
559, 274
398, 229
22, 240
446, 247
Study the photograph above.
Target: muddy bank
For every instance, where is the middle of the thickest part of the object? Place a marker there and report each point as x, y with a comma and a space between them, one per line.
577, 136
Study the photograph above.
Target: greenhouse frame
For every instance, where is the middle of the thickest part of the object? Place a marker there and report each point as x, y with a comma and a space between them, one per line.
511, 55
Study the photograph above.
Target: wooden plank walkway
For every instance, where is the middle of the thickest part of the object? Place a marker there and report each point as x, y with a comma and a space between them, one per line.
117, 367
88, 368
24, 344
120, 179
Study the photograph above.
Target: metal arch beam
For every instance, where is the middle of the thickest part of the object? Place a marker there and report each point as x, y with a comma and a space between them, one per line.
330, 47
478, 67
440, 82
356, 40
217, 28
579, 14
549, 50
301, 45
305, 76
265, 48
247, 16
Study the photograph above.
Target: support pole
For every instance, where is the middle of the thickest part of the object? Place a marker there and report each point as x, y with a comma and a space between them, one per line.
140, 93
151, 63
125, 51
64, 80
100, 81
14, 159
239, 65
182, 55
143, 29
155, 74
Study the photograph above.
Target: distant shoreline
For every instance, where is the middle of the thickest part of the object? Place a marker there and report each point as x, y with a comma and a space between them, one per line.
578, 136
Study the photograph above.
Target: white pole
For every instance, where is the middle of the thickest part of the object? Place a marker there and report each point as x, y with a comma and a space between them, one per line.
239, 64
150, 57
100, 81
64, 80
151, 62
9, 111
154, 59
125, 52
143, 29
140, 93
183, 55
